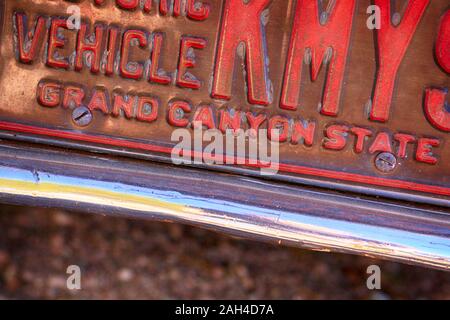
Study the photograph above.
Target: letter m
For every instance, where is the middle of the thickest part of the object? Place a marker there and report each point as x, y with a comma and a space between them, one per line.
318, 37
241, 23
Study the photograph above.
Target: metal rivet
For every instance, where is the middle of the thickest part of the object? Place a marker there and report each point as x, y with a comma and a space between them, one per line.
386, 162
82, 116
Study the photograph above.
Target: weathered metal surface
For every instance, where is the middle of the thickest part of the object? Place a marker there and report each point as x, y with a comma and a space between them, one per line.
147, 56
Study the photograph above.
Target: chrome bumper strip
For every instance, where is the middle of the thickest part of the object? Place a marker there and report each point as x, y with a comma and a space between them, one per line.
311, 218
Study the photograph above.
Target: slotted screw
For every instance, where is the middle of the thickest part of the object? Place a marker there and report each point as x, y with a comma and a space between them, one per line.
386, 162
82, 116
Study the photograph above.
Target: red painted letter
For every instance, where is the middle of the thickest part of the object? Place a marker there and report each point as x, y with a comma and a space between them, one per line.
187, 61
55, 42
424, 151
197, 10
336, 137
403, 140
313, 37
111, 51
242, 23
435, 109
176, 112
28, 52
94, 48
156, 74
393, 41
132, 70
147, 109
303, 131
127, 4
443, 43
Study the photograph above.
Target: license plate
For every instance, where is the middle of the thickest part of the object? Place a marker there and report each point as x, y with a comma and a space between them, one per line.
356, 90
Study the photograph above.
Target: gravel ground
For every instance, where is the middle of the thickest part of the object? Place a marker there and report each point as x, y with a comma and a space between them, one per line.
124, 259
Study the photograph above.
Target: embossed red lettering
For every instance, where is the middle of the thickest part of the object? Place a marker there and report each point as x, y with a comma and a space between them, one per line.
111, 54
303, 130
336, 137
127, 4
175, 113
188, 80
147, 109
49, 94
424, 150
156, 74
28, 46
204, 117
73, 96
124, 104
443, 43
255, 121
382, 143
230, 121
197, 10
56, 42
94, 48
319, 40
242, 23
436, 108
403, 140
393, 42
280, 126
361, 135
132, 70
99, 101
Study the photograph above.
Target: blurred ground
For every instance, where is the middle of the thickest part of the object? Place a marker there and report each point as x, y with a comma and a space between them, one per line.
122, 258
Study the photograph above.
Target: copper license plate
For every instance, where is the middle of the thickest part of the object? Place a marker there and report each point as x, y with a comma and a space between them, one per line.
356, 89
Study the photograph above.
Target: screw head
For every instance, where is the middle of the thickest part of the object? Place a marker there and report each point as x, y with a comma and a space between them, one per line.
386, 162
82, 116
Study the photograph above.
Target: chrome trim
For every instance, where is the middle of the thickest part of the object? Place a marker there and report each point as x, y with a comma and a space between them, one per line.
311, 218
283, 178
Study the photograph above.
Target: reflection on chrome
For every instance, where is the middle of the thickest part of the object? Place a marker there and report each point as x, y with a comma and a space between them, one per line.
103, 185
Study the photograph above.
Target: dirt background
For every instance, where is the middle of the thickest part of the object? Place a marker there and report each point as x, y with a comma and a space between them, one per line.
124, 259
